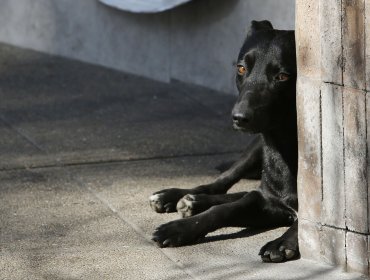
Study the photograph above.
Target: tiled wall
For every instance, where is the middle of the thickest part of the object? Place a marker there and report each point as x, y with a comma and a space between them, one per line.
333, 44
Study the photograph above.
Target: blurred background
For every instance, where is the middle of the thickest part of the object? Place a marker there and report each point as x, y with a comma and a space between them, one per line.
195, 43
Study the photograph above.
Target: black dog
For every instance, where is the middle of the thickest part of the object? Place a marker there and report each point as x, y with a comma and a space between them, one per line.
266, 80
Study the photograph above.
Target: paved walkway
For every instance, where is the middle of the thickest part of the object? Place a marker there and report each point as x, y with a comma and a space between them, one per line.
82, 148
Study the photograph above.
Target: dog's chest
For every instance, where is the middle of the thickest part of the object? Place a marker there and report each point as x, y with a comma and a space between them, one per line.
277, 176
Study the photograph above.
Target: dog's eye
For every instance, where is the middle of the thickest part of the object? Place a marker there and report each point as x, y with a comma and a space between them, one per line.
282, 77
241, 70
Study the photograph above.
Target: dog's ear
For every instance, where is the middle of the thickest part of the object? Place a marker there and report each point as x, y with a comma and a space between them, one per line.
258, 26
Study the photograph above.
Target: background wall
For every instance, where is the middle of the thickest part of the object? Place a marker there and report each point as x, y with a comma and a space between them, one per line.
196, 43
333, 121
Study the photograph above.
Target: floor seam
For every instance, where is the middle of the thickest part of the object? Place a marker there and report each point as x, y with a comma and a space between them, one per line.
21, 134
136, 228
118, 161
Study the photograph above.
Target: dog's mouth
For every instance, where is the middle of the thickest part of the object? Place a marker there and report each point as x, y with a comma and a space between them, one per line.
239, 127
248, 127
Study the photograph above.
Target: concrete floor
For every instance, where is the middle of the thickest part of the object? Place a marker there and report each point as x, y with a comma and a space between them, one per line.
82, 149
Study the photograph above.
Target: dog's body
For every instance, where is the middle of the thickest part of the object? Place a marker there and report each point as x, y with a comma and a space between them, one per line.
266, 79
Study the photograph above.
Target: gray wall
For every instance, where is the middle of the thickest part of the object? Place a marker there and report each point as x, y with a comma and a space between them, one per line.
195, 43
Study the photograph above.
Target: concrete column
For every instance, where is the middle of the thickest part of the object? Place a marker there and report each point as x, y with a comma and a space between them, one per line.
333, 125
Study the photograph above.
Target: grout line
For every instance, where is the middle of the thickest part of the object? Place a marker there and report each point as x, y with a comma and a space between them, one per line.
343, 70
346, 86
333, 83
136, 228
346, 230
321, 151
364, 45
20, 133
344, 158
341, 40
118, 161
367, 160
366, 120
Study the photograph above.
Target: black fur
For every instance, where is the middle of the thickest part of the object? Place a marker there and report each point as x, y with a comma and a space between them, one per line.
266, 105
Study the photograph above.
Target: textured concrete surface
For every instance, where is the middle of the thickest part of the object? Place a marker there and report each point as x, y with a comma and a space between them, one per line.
331, 47
197, 42
357, 252
354, 124
333, 245
309, 166
333, 202
70, 208
307, 43
341, 233
309, 153
354, 74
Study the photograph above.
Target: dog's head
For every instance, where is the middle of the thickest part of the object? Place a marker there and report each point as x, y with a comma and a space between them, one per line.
265, 78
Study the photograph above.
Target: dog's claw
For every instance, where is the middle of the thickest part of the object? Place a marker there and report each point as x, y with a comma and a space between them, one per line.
289, 253
265, 256
276, 256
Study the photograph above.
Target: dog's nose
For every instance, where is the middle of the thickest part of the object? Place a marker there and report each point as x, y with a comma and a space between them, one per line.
239, 118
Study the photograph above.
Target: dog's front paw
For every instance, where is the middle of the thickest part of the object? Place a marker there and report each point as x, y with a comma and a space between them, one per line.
280, 250
191, 205
176, 233
165, 201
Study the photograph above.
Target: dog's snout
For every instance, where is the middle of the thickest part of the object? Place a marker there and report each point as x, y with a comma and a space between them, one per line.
240, 118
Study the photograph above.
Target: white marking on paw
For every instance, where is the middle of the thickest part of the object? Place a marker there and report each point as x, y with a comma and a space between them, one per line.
154, 197
189, 197
185, 205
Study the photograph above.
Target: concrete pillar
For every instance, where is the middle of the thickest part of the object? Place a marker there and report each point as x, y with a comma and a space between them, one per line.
333, 126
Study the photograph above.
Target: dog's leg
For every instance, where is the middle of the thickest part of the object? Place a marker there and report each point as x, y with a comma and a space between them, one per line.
192, 204
166, 200
252, 210
283, 248
254, 169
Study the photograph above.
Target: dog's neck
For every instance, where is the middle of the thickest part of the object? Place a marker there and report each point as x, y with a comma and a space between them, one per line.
280, 159
283, 139
283, 143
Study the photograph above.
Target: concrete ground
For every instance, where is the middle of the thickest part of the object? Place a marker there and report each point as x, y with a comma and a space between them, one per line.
83, 147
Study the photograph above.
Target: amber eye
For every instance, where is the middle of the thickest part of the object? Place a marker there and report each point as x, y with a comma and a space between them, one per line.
241, 70
282, 77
